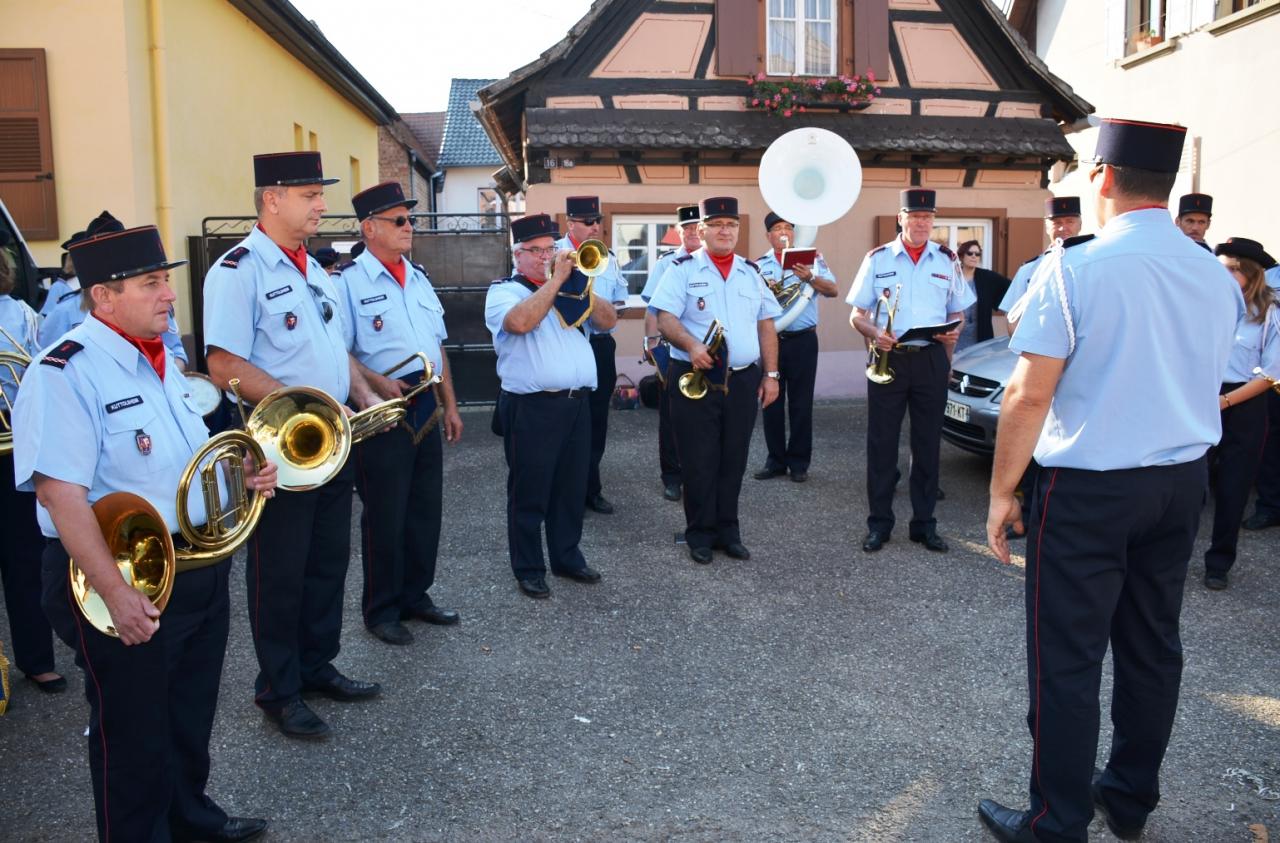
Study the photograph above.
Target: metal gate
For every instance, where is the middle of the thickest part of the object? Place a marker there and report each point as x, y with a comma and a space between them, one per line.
463, 253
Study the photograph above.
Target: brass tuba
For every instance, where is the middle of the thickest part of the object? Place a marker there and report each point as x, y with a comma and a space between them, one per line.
694, 384
13, 364
878, 370
377, 418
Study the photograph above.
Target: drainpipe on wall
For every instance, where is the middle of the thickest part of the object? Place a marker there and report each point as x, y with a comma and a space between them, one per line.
160, 130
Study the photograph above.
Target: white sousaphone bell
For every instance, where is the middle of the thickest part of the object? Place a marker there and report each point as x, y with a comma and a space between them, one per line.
809, 177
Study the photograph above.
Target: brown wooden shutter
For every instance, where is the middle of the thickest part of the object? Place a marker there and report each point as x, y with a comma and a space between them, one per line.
738, 25
1026, 240
26, 144
886, 230
871, 37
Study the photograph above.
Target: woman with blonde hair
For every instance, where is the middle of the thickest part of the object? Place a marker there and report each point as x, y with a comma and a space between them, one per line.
1244, 412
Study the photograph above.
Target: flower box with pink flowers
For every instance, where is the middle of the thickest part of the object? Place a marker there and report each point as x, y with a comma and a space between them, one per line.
787, 96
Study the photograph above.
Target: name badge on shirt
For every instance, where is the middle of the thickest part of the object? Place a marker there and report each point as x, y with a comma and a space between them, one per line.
124, 403
886, 274
699, 284
373, 299
939, 275
277, 293
290, 320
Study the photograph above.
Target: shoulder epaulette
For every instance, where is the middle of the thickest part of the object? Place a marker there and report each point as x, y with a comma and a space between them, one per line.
751, 264
683, 258
420, 268
877, 250
64, 351
1077, 240
67, 295
1204, 245
231, 259
1034, 258
946, 250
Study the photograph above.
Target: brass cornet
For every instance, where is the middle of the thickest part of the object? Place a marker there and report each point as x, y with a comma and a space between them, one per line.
878, 370
694, 384
591, 258
379, 417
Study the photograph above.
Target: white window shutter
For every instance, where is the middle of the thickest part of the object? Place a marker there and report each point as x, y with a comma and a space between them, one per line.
1202, 12
1113, 20
1177, 16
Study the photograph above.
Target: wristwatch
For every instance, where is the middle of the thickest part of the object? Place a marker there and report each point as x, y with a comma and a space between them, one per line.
774, 375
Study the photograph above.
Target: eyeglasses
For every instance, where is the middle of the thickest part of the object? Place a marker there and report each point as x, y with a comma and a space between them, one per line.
722, 226
396, 221
544, 252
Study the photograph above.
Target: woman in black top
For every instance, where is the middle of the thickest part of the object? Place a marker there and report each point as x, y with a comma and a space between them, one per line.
990, 288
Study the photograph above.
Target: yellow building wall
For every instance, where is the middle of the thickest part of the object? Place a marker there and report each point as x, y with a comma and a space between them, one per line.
229, 91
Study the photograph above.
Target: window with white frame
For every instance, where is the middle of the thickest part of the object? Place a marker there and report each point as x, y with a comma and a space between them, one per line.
638, 242
801, 38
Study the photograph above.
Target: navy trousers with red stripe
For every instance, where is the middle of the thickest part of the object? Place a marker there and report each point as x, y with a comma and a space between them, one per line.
151, 706
296, 569
401, 486
1107, 559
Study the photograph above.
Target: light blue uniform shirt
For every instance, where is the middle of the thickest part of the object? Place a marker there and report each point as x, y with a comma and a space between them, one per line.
391, 323
1273, 278
548, 358
67, 314
82, 424
931, 289
1018, 286
21, 323
248, 308
694, 291
607, 286
772, 272
57, 289
659, 269
1135, 392
1257, 345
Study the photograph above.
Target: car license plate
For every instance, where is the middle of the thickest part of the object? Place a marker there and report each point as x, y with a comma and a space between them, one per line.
956, 410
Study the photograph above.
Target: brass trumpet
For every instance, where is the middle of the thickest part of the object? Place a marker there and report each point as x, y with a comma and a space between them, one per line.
878, 370
1258, 373
379, 417
591, 258
694, 384
13, 364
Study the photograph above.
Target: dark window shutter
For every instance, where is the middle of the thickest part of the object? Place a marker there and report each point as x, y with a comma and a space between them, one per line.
871, 37
738, 25
26, 144
886, 230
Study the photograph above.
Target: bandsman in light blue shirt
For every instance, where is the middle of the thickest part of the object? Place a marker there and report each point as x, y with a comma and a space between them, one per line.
547, 372
395, 314
585, 222
658, 352
106, 411
714, 285
1119, 409
273, 318
797, 353
922, 282
1195, 214
1062, 221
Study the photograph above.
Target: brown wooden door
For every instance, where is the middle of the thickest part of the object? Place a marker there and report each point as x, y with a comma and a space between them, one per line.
26, 144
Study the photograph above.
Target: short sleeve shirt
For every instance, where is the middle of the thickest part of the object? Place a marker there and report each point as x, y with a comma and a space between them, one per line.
391, 323
551, 357
931, 289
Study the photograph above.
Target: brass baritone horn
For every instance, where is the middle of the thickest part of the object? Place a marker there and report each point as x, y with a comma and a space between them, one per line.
13, 364
379, 417
694, 385
878, 370
303, 431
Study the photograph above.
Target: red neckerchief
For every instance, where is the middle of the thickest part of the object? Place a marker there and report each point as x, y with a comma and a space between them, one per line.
396, 269
532, 281
152, 349
724, 264
777, 255
575, 243
298, 256
914, 252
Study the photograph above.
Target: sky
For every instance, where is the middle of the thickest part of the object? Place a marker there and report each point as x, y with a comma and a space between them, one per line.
410, 49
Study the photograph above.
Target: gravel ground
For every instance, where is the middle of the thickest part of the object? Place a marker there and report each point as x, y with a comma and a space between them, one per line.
813, 693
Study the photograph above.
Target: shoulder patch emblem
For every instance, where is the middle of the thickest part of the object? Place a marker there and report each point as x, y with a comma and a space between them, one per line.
58, 357
231, 260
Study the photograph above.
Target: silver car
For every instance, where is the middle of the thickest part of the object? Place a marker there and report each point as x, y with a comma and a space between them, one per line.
978, 377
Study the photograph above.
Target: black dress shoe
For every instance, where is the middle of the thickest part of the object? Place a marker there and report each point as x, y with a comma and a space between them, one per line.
1006, 824
931, 540
874, 541
427, 611
296, 720
769, 473
392, 632
701, 555
799, 476
342, 689
736, 550
1122, 831
234, 830
597, 503
50, 686
535, 587
1216, 581
671, 492
587, 574
1261, 521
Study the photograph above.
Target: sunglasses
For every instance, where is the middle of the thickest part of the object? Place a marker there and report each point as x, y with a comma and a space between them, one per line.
587, 220
396, 221
972, 254
326, 309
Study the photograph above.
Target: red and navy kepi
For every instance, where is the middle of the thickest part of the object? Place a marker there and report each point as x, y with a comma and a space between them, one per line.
919, 199
118, 255
534, 225
582, 207
1146, 146
273, 169
1062, 206
1243, 247
719, 206
378, 198
1196, 203
686, 214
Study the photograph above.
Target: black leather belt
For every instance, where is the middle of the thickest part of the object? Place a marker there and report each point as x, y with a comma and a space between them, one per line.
576, 392
786, 335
